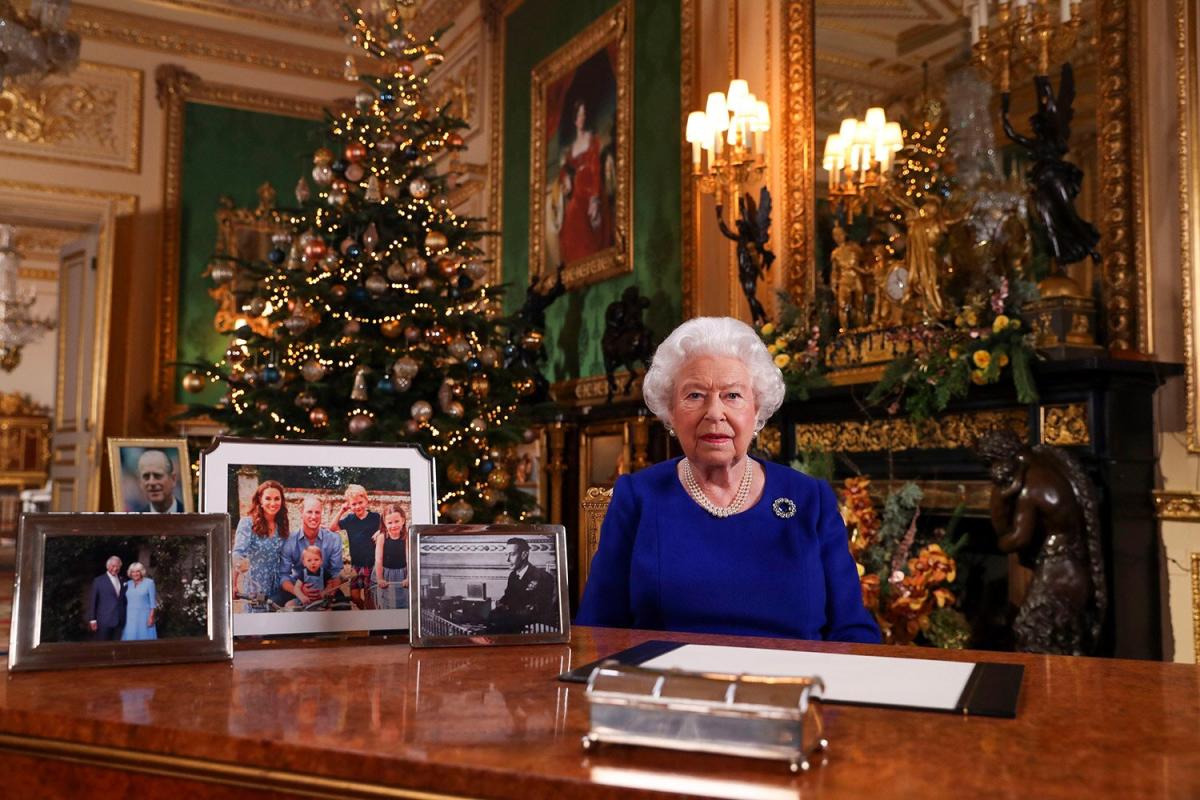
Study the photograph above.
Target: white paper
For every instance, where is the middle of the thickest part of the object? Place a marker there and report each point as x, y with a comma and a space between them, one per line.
875, 680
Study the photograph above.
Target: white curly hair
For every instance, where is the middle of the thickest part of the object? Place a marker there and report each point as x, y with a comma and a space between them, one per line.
713, 336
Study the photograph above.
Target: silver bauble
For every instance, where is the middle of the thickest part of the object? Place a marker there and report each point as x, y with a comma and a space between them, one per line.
418, 188
405, 367
312, 370
421, 411
475, 270
221, 272
396, 272
376, 284
416, 266
322, 174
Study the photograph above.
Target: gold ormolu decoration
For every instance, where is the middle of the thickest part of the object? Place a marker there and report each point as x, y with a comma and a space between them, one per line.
175, 87
93, 116
243, 234
770, 441
615, 25
314, 16
1065, 425
1187, 104
1196, 606
973, 496
1175, 505
593, 390
947, 431
592, 509
689, 229
799, 171
106, 25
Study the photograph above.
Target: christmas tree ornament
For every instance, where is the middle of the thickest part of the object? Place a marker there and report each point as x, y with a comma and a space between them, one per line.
435, 241
454, 141
351, 328
363, 100
318, 417
250, 378
276, 256
391, 328
532, 340
237, 375
499, 478
359, 294
435, 333
441, 202
411, 427
385, 385
322, 157
490, 496
314, 249
302, 191
419, 188
336, 198
404, 69
331, 261
445, 393
525, 386
402, 384
427, 284
460, 512
385, 146
529, 436
235, 354
480, 385
455, 409
355, 172
359, 392
421, 411
486, 467
360, 424
473, 364
296, 324
412, 333
391, 190
416, 266
221, 271
475, 270
312, 370
337, 291
306, 400
339, 168
457, 473
355, 151
373, 194
270, 375
434, 55
409, 153
478, 425
448, 267
322, 175
256, 306
376, 284
504, 518
459, 348
489, 357
396, 272
194, 382
370, 238
405, 367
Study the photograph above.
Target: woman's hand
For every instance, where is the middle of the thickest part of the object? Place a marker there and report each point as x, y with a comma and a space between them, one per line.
404, 583
150, 619
382, 584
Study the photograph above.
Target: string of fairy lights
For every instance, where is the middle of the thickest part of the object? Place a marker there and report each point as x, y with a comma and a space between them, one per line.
919, 173
377, 247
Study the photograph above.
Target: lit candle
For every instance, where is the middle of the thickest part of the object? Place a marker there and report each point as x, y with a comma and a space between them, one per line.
697, 125
1064, 10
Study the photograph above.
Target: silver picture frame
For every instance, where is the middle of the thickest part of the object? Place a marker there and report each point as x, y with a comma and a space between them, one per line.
464, 589
44, 638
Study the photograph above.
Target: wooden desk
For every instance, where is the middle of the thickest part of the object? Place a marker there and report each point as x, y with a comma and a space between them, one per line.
381, 720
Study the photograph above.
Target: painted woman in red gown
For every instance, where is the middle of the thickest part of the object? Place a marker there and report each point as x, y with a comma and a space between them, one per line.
587, 220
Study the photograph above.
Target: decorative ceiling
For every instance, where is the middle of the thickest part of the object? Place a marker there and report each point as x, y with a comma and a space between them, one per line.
316, 16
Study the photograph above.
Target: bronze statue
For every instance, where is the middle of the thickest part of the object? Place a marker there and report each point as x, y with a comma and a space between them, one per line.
538, 297
1044, 508
847, 259
1054, 182
626, 339
753, 257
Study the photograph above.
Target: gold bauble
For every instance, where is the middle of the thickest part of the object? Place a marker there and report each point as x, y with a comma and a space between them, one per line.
323, 157
435, 241
525, 386
318, 417
491, 496
480, 385
457, 473
392, 328
499, 478
194, 382
460, 512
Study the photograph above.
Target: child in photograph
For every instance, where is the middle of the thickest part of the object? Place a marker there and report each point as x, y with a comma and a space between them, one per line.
313, 572
360, 524
391, 564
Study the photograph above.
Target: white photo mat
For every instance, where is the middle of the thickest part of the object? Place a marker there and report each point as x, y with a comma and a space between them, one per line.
230, 453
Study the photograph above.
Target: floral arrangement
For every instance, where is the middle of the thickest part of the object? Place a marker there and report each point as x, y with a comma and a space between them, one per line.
797, 343
911, 597
986, 342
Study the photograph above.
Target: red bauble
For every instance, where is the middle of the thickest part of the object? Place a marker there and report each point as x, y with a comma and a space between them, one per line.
315, 250
356, 151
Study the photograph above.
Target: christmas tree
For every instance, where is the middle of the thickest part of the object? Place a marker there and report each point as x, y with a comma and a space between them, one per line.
371, 318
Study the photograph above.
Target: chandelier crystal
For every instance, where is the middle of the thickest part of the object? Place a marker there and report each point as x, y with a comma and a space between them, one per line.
36, 44
17, 326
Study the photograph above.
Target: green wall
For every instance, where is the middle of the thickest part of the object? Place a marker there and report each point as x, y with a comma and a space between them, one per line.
227, 151
575, 322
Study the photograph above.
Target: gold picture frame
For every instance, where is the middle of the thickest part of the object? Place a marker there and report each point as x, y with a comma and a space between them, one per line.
129, 492
594, 223
1187, 50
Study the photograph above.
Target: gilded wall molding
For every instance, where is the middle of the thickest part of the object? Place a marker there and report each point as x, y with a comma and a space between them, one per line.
799, 171
1187, 103
495, 20
175, 87
593, 391
1065, 425
92, 116
1196, 606
311, 16
948, 431
179, 39
1177, 506
42, 243
689, 218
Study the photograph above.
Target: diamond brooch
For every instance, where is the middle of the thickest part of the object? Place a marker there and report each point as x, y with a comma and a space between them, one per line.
784, 508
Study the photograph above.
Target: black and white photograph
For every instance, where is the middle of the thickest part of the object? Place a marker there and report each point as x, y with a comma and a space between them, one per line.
488, 584
150, 476
120, 586
319, 531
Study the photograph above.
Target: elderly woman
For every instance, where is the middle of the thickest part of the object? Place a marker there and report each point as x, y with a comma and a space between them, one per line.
716, 541
140, 604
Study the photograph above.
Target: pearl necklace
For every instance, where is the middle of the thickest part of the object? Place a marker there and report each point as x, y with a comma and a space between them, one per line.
697, 494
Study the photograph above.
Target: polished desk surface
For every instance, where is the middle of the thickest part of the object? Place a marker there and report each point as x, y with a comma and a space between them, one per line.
357, 719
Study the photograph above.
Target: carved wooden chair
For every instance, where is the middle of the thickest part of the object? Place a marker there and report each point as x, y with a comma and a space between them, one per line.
593, 507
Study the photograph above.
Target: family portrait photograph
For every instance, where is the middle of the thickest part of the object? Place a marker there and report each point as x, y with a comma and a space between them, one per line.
581, 120
150, 476
120, 588
318, 546
489, 584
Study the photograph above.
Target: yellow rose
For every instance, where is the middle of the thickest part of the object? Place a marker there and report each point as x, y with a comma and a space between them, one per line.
1002, 360
782, 360
955, 352
959, 322
971, 317
999, 324
781, 343
982, 358
977, 377
772, 349
768, 329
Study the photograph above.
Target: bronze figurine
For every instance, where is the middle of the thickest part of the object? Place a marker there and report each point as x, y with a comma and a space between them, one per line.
626, 339
753, 257
1044, 508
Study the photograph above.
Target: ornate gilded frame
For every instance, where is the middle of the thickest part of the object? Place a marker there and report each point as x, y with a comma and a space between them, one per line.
614, 25
1187, 97
1125, 292
183, 466
175, 88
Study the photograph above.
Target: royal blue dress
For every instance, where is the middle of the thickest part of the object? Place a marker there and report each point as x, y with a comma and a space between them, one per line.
140, 599
664, 563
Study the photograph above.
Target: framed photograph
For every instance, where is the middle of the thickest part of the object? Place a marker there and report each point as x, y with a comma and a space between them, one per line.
319, 531
151, 476
580, 158
488, 585
112, 589
530, 468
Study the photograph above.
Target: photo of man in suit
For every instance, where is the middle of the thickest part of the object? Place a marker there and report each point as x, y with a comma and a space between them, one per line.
531, 595
156, 476
106, 603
